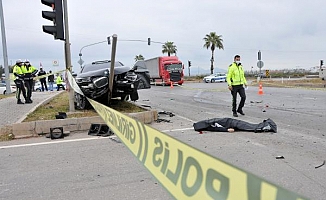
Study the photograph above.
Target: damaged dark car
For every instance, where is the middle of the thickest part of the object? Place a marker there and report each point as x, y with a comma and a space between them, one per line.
93, 80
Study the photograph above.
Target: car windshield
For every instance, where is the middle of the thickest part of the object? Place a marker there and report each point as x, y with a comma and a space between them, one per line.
172, 67
99, 65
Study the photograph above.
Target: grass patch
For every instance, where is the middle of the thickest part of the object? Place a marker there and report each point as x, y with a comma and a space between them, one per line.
311, 83
7, 137
2, 96
61, 104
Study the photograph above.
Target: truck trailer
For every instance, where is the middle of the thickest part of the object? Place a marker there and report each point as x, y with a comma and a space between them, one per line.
165, 70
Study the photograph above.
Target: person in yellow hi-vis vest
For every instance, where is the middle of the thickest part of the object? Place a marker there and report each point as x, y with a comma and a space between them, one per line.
19, 77
236, 80
29, 73
59, 82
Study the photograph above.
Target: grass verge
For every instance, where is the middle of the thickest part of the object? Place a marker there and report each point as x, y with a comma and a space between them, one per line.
61, 104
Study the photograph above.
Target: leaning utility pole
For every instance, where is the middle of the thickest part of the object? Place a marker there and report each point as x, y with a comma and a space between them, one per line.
4, 49
68, 55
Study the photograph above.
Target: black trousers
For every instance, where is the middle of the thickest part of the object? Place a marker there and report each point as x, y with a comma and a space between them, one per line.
43, 84
20, 89
29, 88
60, 86
235, 90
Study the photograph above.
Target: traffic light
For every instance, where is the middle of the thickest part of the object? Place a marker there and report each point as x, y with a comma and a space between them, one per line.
56, 16
149, 41
259, 55
189, 63
109, 40
321, 62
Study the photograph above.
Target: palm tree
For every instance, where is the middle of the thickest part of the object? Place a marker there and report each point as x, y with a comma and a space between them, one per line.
169, 48
213, 41
139, 57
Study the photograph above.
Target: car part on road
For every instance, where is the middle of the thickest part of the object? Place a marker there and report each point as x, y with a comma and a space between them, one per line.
100, 130
279, 157
55, 134
320, 165
166, 113
162, 120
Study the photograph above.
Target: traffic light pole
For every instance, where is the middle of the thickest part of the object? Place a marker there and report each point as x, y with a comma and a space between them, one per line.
68, 55
4, 49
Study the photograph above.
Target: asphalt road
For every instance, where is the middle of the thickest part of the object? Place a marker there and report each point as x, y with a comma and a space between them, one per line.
85, 167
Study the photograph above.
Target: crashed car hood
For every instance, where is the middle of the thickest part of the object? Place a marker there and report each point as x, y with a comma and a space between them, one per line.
118, 70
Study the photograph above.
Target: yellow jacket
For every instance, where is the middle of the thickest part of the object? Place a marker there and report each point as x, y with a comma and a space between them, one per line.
58, 81
235, 75
17, 70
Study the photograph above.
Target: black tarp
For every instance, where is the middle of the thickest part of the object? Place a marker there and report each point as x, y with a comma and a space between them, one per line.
222, 124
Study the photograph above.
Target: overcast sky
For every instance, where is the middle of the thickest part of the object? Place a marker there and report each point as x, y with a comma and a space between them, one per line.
289, 33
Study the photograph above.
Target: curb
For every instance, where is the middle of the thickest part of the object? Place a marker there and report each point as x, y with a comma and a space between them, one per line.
36, 128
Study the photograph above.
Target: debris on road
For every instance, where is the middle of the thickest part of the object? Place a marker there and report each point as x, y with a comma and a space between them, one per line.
320, 165
256, 101
146, 106
115, 139
279, 157
162, 120
166, 113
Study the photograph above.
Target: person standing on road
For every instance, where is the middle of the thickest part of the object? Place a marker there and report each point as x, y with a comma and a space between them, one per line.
59, 82
236, 80
19, 77
29, 73
43, 79
51, 80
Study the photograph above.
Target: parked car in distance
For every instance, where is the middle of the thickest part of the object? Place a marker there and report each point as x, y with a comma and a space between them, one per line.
38, 87
3, 88
261, 75
217, 77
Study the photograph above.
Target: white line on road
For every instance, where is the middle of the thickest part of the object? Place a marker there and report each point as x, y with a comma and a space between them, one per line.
53, 142
181, 129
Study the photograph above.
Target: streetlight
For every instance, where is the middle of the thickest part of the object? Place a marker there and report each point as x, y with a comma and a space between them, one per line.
80, 61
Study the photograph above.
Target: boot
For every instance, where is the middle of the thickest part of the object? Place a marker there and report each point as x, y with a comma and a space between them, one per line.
28, 101
19, 102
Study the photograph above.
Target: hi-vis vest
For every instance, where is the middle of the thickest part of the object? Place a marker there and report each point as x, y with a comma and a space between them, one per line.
18, 70
28, 70
235, 75
58, 80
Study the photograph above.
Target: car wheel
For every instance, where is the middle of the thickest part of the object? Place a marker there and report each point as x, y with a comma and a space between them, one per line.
134, 96
38, 90
4, 92
212, 81
81, 102
143, 83
124, 97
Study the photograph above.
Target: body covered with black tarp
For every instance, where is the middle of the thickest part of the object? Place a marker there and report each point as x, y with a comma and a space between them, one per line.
223, 124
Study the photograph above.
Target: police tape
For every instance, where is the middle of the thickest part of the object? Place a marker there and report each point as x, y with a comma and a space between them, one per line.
46, 75
39, 77
185, 172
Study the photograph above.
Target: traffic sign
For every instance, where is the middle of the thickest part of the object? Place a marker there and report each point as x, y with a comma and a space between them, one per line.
267, 73
80, 61
55, 63
260, 64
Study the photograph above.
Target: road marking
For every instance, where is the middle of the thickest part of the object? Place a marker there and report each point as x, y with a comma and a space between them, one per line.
53, 142
309, 98
180, 129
